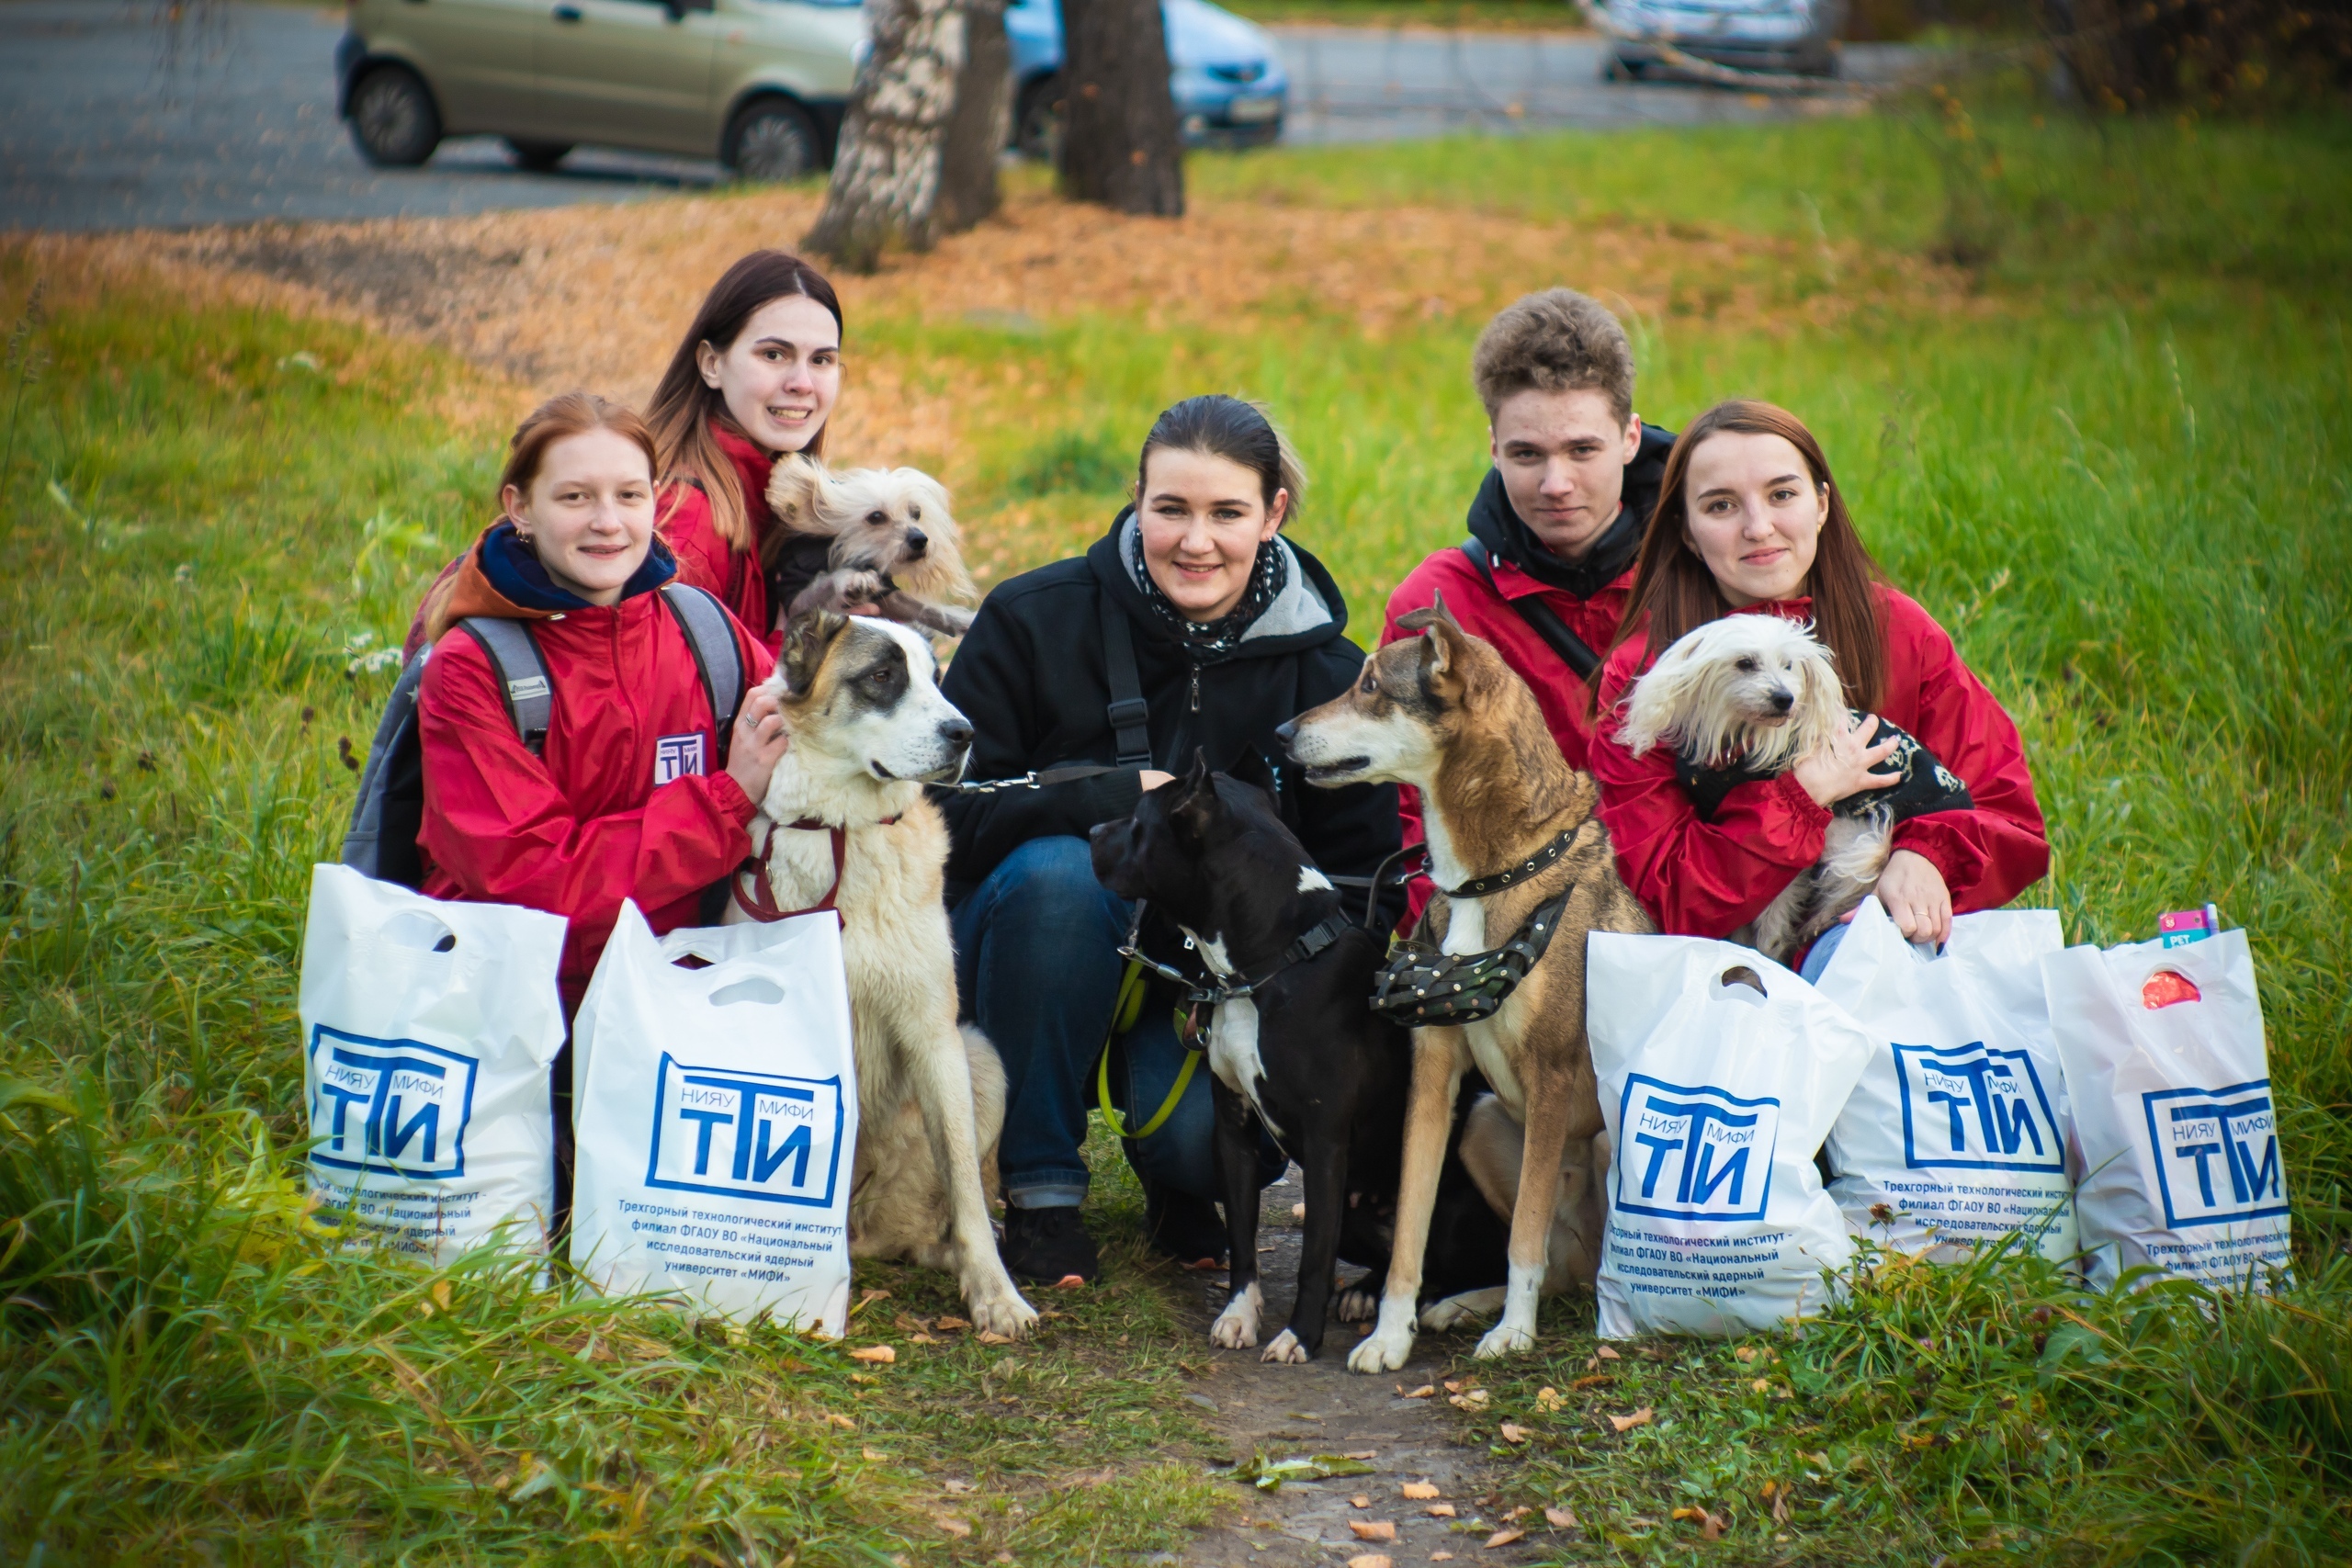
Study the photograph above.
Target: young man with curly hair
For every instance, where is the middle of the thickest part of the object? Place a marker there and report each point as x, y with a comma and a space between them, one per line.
1558, 519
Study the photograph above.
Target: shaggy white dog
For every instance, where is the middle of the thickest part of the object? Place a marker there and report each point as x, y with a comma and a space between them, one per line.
1745, 698
895, 545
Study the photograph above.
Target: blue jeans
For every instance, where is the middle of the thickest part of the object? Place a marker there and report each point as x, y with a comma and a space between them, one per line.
1037, 965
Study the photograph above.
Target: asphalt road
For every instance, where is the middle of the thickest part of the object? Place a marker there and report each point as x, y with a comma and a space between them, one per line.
111, 119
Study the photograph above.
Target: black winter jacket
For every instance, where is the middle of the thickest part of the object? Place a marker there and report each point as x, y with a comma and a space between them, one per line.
1031, 677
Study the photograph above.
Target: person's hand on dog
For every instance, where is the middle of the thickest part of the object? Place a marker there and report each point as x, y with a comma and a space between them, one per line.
1843, 768
760, 740
1915, 897
1153, 778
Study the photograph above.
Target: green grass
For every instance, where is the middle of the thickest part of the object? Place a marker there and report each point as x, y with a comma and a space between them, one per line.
2115, 469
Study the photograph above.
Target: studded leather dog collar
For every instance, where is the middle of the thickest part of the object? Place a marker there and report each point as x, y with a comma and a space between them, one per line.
1512, 876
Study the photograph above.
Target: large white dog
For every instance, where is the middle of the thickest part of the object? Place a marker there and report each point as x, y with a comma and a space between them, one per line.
846, 826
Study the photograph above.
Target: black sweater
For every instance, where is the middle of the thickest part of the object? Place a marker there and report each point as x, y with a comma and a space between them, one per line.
1031, 677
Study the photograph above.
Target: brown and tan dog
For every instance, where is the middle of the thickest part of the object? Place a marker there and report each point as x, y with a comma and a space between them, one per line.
1443, 712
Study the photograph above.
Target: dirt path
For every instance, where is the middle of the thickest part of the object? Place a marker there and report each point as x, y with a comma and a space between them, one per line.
1286, 1412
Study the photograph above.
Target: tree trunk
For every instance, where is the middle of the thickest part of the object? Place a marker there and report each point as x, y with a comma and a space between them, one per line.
1120, 145
918, 146
981, 123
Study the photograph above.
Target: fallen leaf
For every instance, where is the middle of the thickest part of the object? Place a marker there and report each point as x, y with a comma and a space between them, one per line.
1453, 1387
1417, 1490
1504, 1538
923, 1339
1606, 1354
1372, 1530
843, 1422
990, 1336
1627, 1423
1711, 1525
949, 1325
1760, 1384
1441, 1557
1422, 1392
865, 1296
1517, 1514
1780, 1506
873, 1456
1560, 1518
879, 1355
1369, 1560
441, 1293
1362, 1453
1513, 1433
906, 1325
957, 1485
1440, 1510
1475, 1399
1596, 1379
1359, 1501
1548, 1400
1745, 1353
1298, 1210
952, 1525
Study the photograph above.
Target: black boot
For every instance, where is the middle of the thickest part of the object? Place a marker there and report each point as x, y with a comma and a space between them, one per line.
1190, 1230
1049, 1247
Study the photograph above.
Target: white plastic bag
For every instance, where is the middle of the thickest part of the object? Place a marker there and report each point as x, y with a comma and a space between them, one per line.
1957, 1133
2163, 1055
1716, 1095
716, 1120
425, 1066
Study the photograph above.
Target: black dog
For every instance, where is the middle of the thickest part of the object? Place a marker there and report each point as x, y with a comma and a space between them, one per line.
1291, 1042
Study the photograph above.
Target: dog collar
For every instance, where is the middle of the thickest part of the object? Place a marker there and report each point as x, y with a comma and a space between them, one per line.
1419, 986
1542, 860
760, 903
1312, 941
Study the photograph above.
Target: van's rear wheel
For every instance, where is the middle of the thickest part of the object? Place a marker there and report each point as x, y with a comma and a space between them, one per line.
393, 118
772, 139
537, 157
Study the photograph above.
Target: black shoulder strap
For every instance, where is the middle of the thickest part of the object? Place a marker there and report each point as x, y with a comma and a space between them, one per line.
1573, 651
712, 637
522, 675
1127, 711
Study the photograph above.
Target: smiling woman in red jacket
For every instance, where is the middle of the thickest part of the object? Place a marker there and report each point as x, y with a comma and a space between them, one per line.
1749, 522
756, 376
625, 798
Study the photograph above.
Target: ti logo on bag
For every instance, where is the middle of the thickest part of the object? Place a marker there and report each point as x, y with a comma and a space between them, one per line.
1694, 1153
2217, 1154
744, 1134
1968, 1107
389, 1105
677, 757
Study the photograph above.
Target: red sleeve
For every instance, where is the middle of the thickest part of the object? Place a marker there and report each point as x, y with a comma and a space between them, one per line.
705, 561
498, 825
1419, 890
1992, 853
1696, 879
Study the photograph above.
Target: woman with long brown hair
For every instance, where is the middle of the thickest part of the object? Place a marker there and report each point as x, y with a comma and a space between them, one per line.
756, 376
1750, 522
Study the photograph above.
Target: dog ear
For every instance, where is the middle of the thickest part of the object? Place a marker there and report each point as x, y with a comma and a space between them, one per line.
805, 642
1444, 658
1430, 614
792, 492
1192, 798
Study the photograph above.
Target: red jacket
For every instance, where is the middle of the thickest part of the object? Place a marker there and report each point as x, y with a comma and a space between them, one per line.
1710, 878
584, 825
704, 559
1481, 612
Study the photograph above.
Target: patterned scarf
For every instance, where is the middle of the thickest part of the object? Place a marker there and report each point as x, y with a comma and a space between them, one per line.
1210, 641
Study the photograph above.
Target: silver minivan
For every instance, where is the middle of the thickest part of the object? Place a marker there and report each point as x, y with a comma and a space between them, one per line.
760, 85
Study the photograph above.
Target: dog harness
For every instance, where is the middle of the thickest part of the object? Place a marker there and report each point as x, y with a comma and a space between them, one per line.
760, 903
1927, 784
1421, 985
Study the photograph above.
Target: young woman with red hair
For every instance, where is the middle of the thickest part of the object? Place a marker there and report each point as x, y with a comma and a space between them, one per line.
756, 376
1750, 522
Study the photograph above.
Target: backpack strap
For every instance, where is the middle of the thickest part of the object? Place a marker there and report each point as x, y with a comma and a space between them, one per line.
382, 840
1573, 651
710, 633
1127, 713
522, 675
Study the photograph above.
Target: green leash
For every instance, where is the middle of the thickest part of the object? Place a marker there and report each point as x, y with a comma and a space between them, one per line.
1124, 1014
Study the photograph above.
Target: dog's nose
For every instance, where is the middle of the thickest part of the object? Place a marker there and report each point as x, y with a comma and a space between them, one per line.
1286, 731
956, 731
1783, 700
917, 541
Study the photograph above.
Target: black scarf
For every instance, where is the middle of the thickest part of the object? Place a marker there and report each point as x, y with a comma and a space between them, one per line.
1209, 642
1496, 523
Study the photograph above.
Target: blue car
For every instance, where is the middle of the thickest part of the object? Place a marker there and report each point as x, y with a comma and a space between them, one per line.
1228, 83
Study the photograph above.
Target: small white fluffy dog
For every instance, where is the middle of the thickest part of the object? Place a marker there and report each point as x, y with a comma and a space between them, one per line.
895, 545
846, 825
1744, 698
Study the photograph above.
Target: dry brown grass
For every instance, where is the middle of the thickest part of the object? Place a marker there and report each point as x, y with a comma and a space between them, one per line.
595, 296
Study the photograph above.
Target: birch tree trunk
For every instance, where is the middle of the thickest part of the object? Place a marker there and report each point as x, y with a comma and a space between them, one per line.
934, 75
1121, 145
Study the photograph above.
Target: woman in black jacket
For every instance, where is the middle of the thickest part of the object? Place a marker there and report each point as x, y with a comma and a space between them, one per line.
1228, 629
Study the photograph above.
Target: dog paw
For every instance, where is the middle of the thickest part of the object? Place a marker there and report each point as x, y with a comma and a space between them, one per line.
1385, 1352
1236, 1327
1004, 1312
1453, 1312
1286, 1351
1356, 1306
1504, 1339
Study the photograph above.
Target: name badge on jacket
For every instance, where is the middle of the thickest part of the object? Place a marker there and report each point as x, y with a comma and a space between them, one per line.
676, 756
